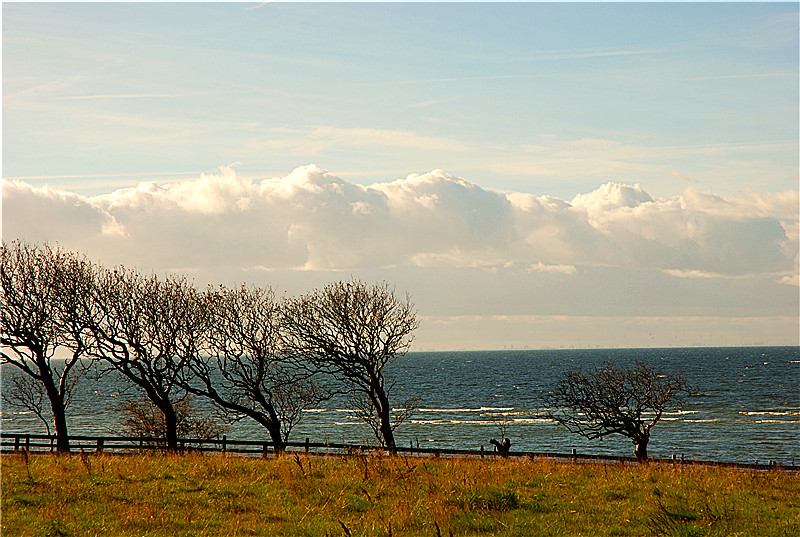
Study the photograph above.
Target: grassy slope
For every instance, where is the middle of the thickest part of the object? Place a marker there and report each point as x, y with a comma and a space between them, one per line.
219, 496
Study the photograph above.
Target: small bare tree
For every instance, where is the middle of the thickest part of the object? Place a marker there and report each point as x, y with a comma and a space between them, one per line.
140, 417
293, 391
502, 420
38, 285
247, 374
28, 394
352, 331
365, 411
610, 400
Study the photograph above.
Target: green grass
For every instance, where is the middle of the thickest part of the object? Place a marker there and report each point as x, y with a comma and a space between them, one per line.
381, 496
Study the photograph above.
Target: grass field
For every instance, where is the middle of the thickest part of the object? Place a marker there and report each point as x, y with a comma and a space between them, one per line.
168, 495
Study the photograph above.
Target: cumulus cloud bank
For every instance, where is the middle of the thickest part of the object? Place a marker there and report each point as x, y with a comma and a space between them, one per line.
312, 219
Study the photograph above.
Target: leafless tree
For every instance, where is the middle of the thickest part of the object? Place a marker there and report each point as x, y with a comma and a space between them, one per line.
352, 331
610, 400
247, 374
293, 391
39, 284
28, 394
148, 329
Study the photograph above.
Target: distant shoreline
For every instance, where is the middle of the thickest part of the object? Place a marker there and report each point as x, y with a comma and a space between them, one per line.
676, 347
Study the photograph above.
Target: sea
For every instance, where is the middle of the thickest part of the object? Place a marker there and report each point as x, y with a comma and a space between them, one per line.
747, 407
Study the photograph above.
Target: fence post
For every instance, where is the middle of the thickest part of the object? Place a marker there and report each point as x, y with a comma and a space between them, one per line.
481, 451
27, 442
100, 443
16, 443
264, 450
574, 455
224, 442
306, 444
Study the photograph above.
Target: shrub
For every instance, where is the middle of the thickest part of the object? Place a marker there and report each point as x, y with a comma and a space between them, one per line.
140, 417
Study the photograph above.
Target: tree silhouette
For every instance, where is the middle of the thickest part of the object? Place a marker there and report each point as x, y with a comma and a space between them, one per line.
248, 375
352, 331
148, 329
39, 286
610, 400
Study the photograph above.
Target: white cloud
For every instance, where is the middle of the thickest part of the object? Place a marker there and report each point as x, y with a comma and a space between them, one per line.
558, 269
612, 196
312, 219
42, 213
524, 267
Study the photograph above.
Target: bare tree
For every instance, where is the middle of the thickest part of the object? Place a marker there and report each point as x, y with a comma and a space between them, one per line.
38, 286
610, 400
248, 374
27, 393
292, 391
148, 329
352, 331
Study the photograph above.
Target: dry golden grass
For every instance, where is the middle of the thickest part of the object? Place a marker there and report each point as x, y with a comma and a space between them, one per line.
382, 496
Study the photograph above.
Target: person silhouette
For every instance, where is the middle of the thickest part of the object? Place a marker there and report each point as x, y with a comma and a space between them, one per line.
503, 447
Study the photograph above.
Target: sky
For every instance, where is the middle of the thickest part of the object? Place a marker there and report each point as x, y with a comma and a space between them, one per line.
533, 175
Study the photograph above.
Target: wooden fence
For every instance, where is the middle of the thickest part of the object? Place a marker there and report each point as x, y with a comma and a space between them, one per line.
16, 442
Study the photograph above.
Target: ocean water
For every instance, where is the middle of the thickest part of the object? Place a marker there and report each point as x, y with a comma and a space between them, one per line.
747, 410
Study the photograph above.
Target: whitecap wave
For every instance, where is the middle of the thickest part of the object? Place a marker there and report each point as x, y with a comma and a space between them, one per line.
449, 409
772, 413
681, 412
533, 420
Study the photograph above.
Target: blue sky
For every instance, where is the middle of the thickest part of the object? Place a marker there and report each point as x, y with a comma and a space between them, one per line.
541, 98
558, 109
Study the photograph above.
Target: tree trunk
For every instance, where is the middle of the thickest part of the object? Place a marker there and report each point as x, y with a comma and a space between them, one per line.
171, 425
59, 413
385, 417
62, 437
640, 448
277, 439
274, 428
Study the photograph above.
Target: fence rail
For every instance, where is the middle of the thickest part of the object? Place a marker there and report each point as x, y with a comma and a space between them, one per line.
15, 442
